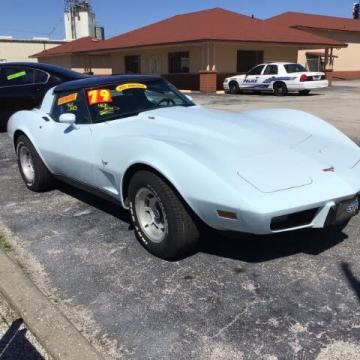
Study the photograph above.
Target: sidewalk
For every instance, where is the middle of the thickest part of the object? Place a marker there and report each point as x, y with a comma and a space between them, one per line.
16, 341
52, 329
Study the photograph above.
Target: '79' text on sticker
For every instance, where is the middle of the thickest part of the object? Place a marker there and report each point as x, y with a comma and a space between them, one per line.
67, 99
99, 96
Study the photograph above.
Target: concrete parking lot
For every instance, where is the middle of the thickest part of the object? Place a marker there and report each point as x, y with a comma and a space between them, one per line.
290, 296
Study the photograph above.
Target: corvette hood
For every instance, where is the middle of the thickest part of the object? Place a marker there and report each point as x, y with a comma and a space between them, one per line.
268, 151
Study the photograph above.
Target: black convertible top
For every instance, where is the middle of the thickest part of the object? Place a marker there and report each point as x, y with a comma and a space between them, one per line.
95, 81
54, 69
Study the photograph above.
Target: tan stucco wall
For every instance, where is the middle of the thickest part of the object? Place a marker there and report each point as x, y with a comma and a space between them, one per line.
100, 65
224, 56
57, 60
21, 50
202, 56
348, 59
161, 56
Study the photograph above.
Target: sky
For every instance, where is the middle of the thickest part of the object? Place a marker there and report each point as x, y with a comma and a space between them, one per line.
28, 18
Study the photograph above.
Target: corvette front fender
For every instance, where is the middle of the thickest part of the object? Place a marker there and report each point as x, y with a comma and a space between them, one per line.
204, 189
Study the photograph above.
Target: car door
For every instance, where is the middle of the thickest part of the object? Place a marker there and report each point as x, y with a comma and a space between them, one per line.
253, 78
68, 148
270, 75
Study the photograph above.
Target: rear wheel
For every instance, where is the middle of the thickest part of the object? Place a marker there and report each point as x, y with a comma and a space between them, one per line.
280, 89
234, 88
32, 169
162, 223
304, 92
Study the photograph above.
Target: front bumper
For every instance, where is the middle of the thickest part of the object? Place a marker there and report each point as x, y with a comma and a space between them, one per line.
319, 215
226, 86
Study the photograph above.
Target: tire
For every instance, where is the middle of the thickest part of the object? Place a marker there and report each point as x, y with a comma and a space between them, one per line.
234, 88
35, 174
172, 232
304, 92
280, 89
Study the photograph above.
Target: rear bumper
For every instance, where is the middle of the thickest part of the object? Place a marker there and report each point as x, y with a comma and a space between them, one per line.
309, 85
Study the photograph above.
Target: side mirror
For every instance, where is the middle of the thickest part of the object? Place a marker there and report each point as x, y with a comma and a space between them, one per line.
189, 97
67, 118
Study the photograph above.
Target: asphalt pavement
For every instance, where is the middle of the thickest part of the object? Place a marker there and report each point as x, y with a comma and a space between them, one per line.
290, 296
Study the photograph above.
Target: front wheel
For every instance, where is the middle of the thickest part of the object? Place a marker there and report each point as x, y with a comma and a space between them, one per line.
32, 169
234, 88
162, 223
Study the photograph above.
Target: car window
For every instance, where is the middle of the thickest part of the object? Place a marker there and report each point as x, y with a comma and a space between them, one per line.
271, 70
15, 76
256, 70
70, 102
40, 77
128, 99
294, 68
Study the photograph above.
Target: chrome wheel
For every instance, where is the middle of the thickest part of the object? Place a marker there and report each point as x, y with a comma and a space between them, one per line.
151, 215
27, 164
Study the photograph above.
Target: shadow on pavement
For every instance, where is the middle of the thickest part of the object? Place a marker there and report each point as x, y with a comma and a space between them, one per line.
248, 248
108, 207
15, 346
255, 249
353, 281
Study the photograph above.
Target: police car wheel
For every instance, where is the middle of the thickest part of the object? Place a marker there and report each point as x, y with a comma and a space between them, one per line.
234, 88
280, 89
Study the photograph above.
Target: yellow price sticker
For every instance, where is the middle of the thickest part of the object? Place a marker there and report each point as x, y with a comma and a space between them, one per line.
123, 87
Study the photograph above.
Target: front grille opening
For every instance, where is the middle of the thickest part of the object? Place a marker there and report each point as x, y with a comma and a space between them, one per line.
289, 221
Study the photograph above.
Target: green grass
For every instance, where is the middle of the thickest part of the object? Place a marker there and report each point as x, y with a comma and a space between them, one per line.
4, 244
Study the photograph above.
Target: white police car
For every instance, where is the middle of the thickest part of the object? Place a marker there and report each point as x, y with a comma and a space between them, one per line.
279, 78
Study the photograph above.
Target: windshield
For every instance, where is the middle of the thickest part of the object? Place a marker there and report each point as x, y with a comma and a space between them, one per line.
129, 99
294, 68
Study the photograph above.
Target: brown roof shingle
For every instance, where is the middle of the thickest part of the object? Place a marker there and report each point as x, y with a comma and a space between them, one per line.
79, 45
295, 19
213, 24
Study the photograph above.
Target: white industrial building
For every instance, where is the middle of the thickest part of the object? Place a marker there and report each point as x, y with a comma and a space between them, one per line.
79, 21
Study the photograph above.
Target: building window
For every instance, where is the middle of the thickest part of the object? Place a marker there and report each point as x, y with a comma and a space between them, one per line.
248, 59
179, 62
132, 64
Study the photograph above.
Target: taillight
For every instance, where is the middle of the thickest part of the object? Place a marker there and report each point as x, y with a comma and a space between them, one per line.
304, 77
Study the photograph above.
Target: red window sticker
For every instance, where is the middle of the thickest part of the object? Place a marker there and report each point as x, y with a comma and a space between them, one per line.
99, 96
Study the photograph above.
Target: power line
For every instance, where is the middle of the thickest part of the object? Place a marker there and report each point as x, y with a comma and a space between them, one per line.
52, 31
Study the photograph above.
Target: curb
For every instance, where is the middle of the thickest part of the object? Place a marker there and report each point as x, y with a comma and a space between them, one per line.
55, 333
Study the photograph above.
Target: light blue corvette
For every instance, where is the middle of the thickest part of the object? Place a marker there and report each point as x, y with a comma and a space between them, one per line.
177, 166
